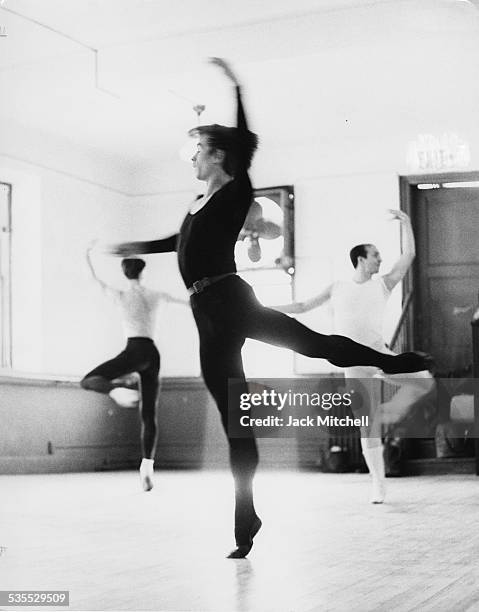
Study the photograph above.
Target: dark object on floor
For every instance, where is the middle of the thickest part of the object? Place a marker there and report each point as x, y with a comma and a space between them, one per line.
394, 455
337, 459
452, 440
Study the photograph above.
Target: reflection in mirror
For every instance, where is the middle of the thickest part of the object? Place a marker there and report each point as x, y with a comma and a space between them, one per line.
266, 240
264, 256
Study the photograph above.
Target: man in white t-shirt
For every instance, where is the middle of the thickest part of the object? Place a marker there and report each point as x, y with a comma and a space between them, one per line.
359, 307
138, 307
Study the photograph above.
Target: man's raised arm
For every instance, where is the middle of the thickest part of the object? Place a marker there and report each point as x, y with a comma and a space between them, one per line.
247, 142
93, 273
402, 265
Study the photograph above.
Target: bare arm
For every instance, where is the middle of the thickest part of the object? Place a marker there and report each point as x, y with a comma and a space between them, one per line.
402, 265
241, 123
306, 305
94, 275
165, 245
174, 300
223, 65
247, 141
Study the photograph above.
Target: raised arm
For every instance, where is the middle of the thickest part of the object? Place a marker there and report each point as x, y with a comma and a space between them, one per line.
402, 265
306, 305
247, 141
228, 71
165, 245
94, 275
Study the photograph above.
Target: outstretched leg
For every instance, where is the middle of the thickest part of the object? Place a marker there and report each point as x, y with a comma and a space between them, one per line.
276, 328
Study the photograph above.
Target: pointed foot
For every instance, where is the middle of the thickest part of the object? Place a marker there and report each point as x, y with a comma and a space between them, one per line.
146, 483
378, 492
146, 474
242, 550
405, 363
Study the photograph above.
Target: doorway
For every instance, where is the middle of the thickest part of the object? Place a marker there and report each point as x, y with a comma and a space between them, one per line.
443, 282
444, 211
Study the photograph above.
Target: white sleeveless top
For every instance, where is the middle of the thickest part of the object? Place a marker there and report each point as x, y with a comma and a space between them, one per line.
138, 306
359, 310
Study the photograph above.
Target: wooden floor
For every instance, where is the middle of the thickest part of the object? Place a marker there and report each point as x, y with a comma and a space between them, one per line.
322, 547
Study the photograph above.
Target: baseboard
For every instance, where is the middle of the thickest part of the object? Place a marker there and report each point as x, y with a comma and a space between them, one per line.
433, 466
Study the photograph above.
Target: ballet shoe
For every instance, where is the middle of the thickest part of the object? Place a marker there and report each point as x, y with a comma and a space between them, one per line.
378, 492
146, 482
404, 363
242, 550
146, 477
126, 398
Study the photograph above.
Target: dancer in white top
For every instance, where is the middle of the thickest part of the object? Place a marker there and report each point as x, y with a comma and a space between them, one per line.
138, 306
359, 307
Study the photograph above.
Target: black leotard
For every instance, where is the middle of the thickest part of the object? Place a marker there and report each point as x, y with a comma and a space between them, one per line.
206, 241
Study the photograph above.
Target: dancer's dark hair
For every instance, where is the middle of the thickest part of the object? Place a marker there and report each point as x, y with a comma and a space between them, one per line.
238, 145
360, 250
132, 267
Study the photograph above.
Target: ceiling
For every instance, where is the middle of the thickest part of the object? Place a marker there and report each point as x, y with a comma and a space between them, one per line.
122, 76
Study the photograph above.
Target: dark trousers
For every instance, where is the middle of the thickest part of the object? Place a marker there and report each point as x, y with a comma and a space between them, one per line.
140, 355
227, 313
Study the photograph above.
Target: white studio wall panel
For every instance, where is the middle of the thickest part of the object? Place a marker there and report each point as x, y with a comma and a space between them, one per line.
26, 273
60, 321
81, 325
156, 217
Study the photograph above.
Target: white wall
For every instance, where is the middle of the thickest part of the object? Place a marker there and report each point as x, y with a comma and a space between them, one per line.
64, 196
27, 336
157, 217
80, 326
62, 322
60, 202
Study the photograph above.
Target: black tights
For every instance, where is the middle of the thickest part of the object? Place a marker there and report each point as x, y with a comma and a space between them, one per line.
226, 314
140, 355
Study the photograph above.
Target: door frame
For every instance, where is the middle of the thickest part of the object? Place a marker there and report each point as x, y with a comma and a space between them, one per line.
6, 316
407, 186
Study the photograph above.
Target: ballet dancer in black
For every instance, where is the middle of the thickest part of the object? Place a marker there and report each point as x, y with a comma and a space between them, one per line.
224, 306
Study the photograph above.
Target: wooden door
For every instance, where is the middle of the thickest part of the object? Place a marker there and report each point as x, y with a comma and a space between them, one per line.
446, 273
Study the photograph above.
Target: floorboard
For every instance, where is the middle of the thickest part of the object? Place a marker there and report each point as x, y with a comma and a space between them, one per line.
322, 547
